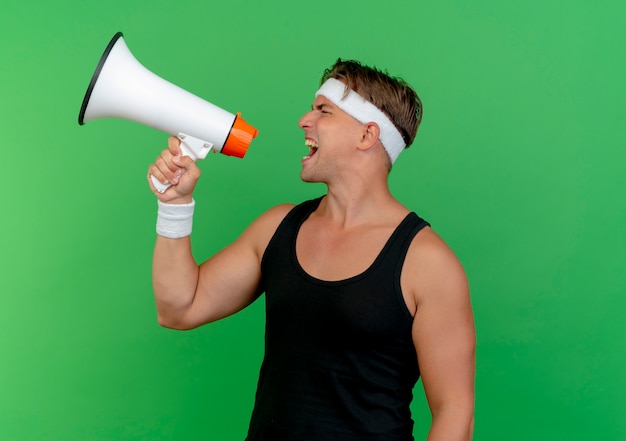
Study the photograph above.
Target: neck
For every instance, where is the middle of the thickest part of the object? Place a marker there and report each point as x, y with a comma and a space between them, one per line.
360, 202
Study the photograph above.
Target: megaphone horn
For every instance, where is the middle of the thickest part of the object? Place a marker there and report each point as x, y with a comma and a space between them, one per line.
123, 88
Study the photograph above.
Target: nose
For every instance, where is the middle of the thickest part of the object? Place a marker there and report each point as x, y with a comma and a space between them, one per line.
305, 120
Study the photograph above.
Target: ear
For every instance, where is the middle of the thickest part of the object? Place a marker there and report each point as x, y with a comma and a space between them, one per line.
369, 135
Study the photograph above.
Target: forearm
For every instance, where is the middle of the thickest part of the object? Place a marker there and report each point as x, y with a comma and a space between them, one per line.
174, 278
174, 270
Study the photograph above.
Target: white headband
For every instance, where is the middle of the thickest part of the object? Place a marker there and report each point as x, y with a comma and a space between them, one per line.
363, 111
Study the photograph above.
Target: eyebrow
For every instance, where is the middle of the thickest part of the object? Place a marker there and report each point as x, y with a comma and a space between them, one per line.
320, 106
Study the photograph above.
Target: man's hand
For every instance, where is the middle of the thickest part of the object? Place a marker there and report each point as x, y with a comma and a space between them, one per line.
171, 167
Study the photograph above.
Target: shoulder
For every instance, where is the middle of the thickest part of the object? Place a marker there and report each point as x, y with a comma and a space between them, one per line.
263, 228
276, 214
432, 270
271, 219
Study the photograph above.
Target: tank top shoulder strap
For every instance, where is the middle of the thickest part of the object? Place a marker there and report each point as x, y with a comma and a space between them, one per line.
399, 242
289, 226
408, 229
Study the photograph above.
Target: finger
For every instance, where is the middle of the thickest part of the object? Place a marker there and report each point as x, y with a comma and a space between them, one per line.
173, 144
183, 162
168, 171
188, 166
155, 173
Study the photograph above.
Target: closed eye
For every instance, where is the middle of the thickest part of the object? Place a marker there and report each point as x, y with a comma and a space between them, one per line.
322, 108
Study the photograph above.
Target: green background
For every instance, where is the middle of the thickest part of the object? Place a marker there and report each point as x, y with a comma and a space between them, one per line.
519, 165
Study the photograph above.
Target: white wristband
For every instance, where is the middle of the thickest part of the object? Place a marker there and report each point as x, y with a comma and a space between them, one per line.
174, 220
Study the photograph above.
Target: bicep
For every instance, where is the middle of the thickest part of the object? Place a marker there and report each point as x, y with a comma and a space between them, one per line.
230, 280
445, 345
444, 335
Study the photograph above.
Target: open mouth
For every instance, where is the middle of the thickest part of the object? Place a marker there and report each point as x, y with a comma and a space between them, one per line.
312, 145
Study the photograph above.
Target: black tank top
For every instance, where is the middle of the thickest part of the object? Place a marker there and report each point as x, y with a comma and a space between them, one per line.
339, 362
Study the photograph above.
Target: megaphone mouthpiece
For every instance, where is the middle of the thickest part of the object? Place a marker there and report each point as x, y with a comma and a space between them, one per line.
240, 137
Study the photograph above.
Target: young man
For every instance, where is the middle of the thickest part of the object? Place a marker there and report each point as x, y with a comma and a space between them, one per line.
362, 296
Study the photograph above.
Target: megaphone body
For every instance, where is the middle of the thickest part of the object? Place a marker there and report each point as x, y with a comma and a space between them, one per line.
123, 88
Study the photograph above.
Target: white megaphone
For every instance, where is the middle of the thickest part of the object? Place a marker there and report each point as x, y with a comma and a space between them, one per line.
122, 88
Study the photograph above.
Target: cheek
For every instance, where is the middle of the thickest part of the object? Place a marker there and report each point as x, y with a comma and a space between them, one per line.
345, 133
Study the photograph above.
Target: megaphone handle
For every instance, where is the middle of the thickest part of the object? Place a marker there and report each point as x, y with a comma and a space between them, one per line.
160, 187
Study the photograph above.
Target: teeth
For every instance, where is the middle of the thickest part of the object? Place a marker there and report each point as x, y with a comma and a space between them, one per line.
312, 146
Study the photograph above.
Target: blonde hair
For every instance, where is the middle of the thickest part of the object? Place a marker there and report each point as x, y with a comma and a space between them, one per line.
392, 95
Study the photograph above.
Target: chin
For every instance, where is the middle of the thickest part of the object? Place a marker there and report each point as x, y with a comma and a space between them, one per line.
306, 178
309, 177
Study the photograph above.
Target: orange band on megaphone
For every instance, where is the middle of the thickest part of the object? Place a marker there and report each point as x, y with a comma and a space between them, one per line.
239, 138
